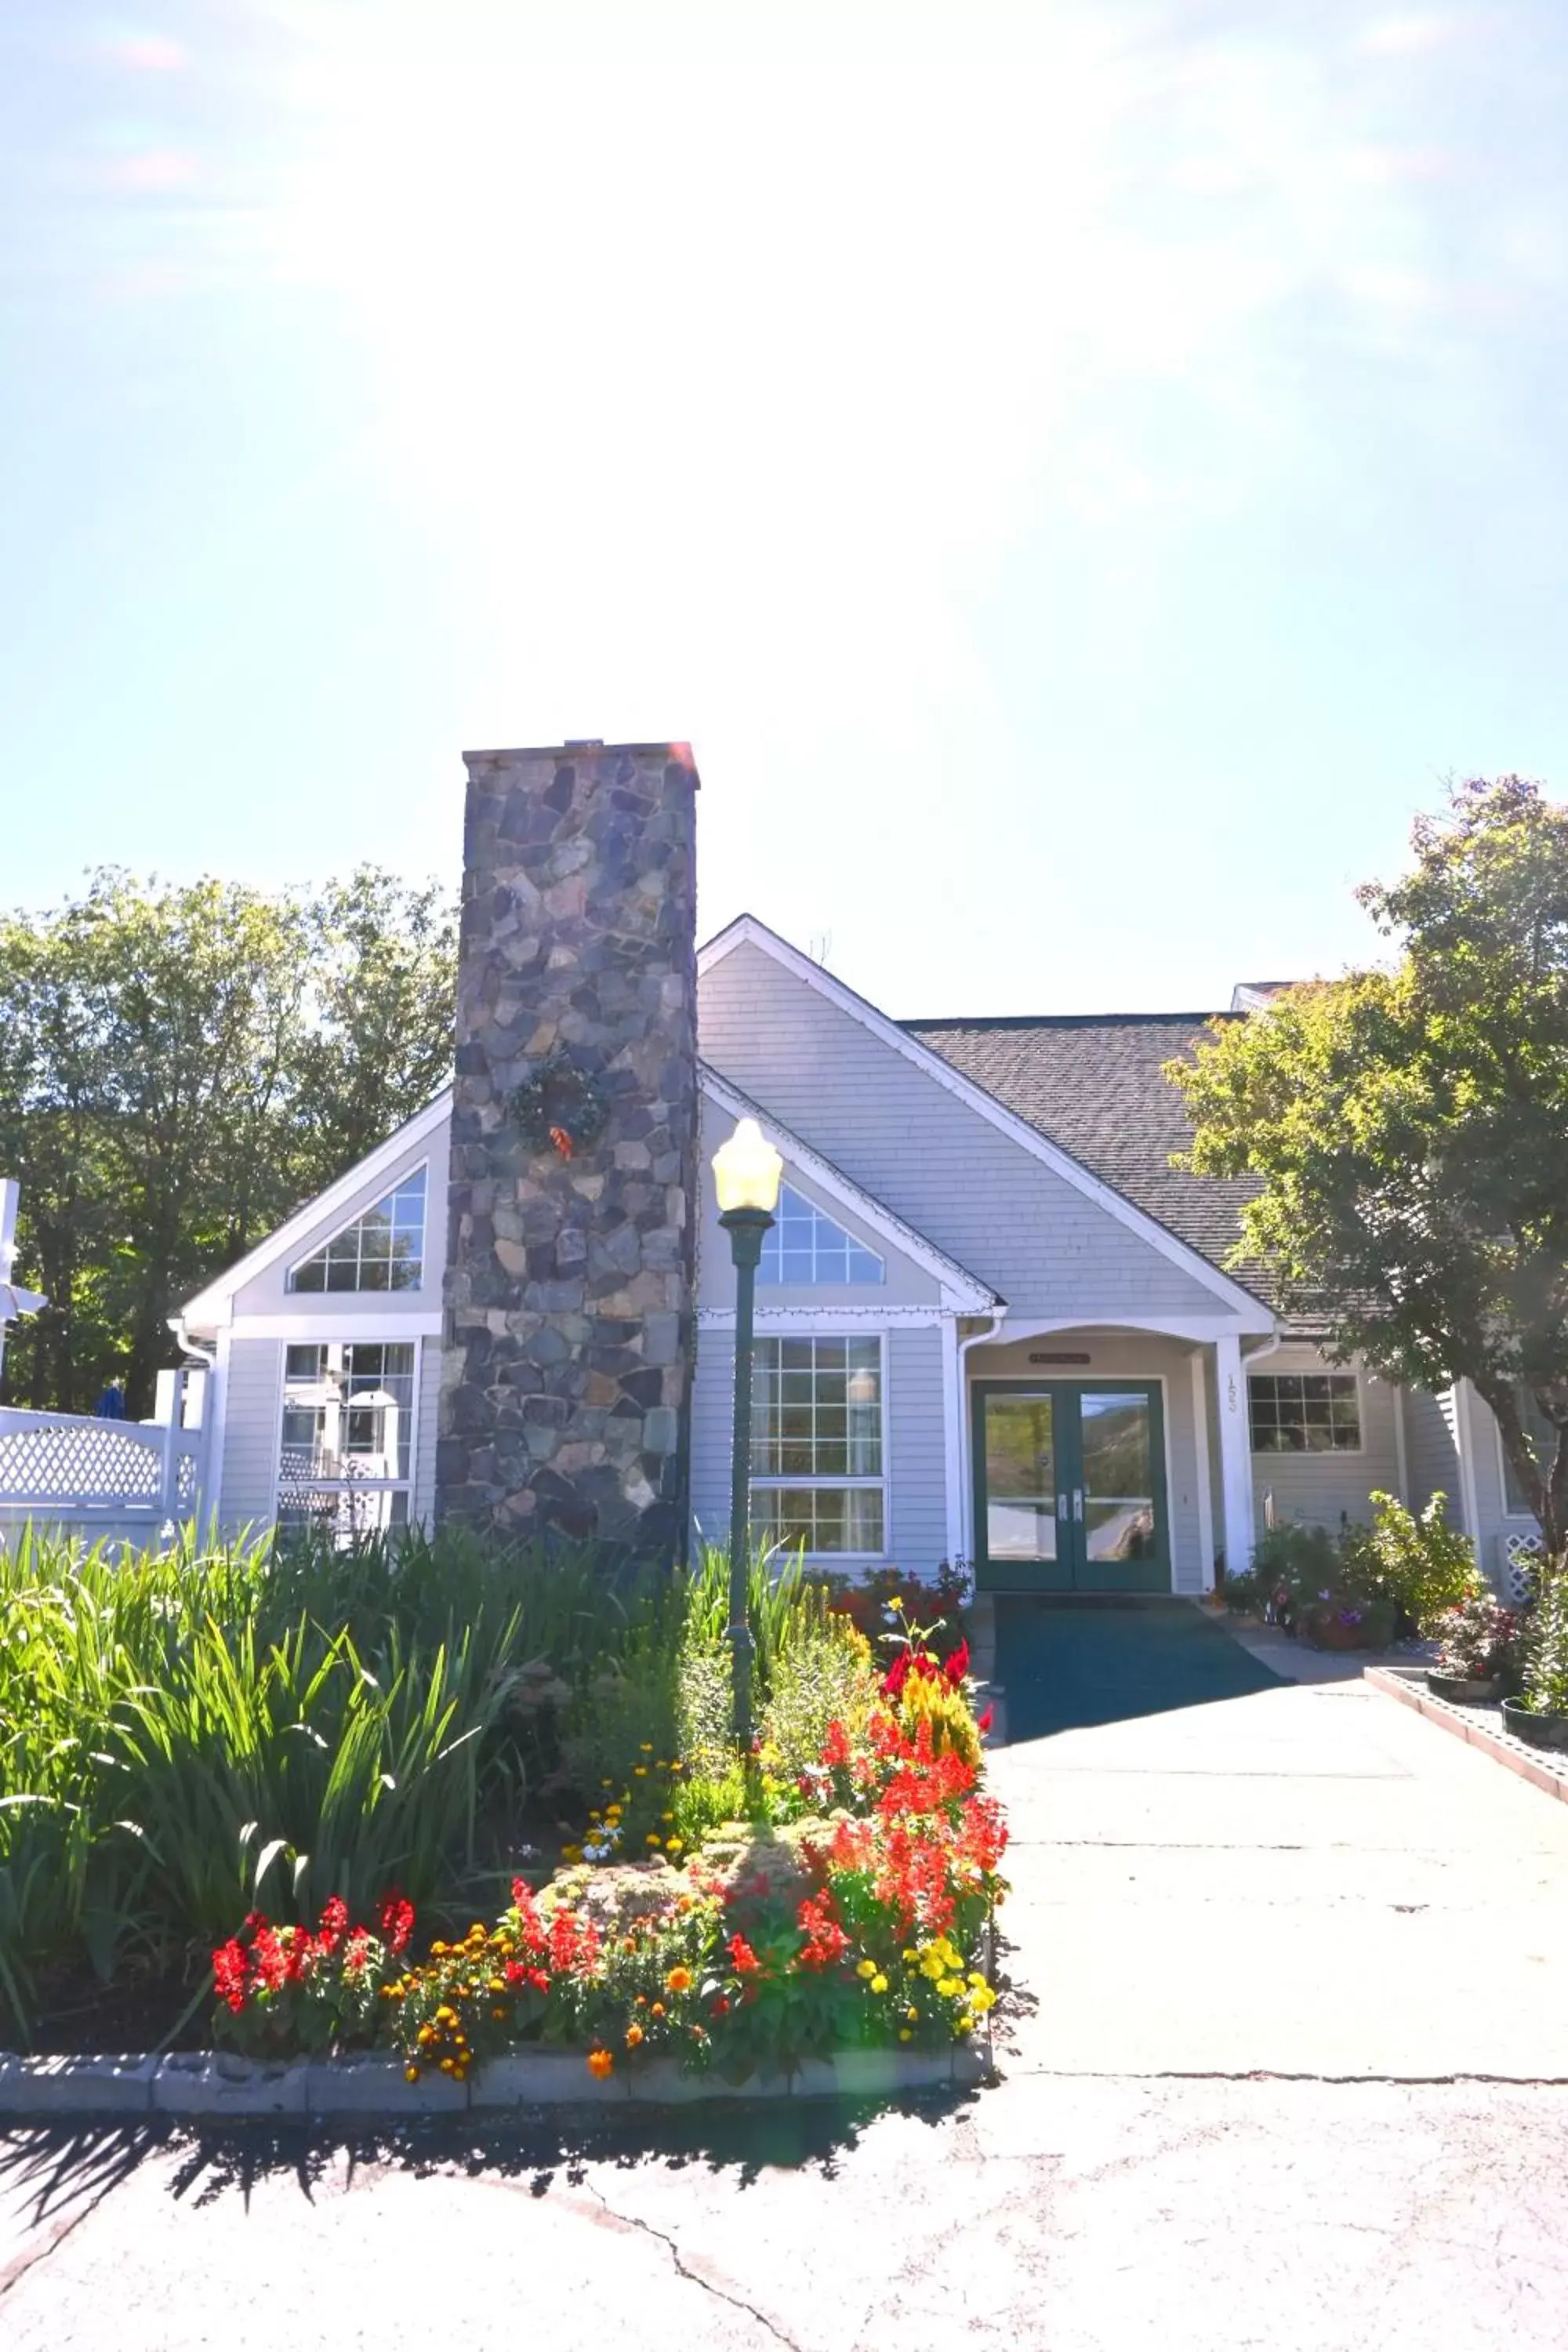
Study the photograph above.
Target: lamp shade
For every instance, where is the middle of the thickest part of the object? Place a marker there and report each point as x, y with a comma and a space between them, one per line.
746, 1171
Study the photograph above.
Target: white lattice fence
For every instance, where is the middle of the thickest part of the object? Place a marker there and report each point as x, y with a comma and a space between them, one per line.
61, 1465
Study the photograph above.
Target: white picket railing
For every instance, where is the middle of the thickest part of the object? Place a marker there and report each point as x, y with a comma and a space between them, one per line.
66, 1468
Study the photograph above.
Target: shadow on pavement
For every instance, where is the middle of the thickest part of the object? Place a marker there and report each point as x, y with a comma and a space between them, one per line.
48, 2166
1065, 1665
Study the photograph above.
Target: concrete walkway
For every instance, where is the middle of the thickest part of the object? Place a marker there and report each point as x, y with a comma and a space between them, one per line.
1309, 1884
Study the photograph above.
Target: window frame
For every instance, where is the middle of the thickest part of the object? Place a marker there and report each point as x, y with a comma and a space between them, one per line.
881, 1484
1523, 1516
815, 1280
406, 1484
1310, 1452
318, 1247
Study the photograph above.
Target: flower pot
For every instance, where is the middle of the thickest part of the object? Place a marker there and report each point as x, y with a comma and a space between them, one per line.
1537, 1730
1465, 1690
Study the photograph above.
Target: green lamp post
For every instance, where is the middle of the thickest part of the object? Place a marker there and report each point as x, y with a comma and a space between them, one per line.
746, 1172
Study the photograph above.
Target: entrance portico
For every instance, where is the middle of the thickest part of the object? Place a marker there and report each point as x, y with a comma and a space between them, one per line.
1106, 1457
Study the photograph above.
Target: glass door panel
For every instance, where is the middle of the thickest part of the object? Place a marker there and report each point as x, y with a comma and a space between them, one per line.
1117, 1476
1020, 1478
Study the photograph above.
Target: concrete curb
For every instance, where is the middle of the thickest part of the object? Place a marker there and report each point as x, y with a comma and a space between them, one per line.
207, 2085
1408, 1686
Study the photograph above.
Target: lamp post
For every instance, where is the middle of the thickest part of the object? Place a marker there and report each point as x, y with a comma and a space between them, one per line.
746, 1172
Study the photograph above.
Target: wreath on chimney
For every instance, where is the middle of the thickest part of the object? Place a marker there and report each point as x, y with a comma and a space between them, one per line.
562, 1107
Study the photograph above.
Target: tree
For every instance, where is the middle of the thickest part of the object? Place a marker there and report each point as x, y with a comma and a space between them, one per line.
1409, 1127
179, 1068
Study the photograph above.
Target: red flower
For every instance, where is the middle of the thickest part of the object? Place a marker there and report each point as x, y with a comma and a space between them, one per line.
334, 1922
229, 1973
742, 1959
826, 1939
986, 1721
957, 1665
835, 1747
394, 1916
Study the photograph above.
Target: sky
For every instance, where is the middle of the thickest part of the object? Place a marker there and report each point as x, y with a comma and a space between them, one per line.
1081, 474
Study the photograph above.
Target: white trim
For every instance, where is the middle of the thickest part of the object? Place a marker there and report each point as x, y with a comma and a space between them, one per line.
1204, 1488
1236, 1496
1525, 1517
747, 931
1465, 1441
860, 1485
963, 1293
205, 1310
822, 1318
1401, 1454
418, 1323
357, 1216
952, 1441
1201, 1330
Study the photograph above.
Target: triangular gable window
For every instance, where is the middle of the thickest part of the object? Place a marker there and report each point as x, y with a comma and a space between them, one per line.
807, 1247
382, 1250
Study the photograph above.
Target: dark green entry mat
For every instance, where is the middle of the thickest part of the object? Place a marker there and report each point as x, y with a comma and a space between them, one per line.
1062, 1664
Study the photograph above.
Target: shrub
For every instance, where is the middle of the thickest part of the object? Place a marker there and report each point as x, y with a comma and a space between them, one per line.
1425, 1567
1478, 1639
1546, 1648
823, 1675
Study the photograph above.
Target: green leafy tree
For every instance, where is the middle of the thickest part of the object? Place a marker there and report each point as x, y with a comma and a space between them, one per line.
1408, 1127
179, 1067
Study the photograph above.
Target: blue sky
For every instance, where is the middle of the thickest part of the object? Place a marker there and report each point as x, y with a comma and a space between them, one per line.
1081, 476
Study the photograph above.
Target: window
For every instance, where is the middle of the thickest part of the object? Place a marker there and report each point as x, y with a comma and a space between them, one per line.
804, 1246
816, 1445
382, 1250
1542, 1438
1305, 1413
344, 1459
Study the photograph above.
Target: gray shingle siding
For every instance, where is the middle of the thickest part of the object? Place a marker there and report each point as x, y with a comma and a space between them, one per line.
1321, 1487
252, 1428
1431, 1453
1046, 1247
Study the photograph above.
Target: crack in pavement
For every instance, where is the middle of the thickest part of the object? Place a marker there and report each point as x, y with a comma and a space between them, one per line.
735, 2301
14, 2272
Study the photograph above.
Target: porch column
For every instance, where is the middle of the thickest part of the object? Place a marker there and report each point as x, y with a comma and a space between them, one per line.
1235, 1454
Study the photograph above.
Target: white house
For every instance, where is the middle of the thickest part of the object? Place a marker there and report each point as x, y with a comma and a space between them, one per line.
993, 1321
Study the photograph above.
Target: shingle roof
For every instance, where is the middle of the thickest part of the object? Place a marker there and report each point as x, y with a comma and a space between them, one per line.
1093, 1084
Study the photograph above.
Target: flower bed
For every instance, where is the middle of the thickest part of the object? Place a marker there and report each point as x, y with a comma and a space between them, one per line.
862, 1921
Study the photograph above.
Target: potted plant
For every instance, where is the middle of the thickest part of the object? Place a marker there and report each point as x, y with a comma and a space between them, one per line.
1477, 1650
1540, 1715
1338, 1619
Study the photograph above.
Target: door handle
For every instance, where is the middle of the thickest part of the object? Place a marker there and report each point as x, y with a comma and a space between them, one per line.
1078, 1502
1064, 1505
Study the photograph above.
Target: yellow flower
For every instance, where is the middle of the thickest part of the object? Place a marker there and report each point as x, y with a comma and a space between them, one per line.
878, 1982
606, 1784
411, 2072
427, 2035
982, 1999
658, 2008
904, 2035
967, 2025
912, 1957
949, 1987
571, 1854
639, 1771
678, 1981
646, 1747
447, 2065
600, 2063
911, 2013
634, 2035
652, 1838
498, 2014
436, 1950
865, 1968
673, 1846
667, 1817
676, 1765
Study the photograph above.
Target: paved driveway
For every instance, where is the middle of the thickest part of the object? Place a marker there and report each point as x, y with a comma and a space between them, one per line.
1278, 1946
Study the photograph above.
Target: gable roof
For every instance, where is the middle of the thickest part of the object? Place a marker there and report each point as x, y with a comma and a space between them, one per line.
925, 1044
967, 1294
213, 1304
1095, 1081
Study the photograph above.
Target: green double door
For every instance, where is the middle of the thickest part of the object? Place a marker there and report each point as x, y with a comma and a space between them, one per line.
1069, 1487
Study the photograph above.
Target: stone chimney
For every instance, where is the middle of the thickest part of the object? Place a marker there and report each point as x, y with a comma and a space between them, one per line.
569, 1297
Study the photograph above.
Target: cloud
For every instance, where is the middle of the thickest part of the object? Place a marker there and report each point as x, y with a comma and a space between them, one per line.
150, 53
